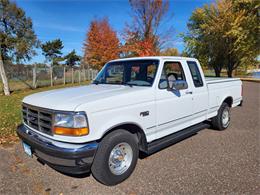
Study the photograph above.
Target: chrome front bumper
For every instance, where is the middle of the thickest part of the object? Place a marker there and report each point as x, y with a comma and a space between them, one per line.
65, 157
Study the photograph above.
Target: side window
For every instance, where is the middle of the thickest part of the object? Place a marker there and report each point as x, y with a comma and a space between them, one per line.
195, 73
169, 68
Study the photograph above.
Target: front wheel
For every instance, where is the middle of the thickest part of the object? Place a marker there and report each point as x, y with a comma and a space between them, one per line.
222, 120
116, 157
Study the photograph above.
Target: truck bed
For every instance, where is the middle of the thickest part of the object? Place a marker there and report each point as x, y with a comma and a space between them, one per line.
219, 88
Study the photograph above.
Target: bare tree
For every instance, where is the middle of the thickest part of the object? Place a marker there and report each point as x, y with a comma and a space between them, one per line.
148, 16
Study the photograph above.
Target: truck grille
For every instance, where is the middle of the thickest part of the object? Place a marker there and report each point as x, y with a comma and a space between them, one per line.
37, 118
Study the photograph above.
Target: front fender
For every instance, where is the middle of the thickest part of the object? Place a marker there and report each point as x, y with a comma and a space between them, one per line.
103, 124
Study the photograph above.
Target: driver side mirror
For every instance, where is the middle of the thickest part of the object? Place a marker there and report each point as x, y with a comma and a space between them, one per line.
174, 84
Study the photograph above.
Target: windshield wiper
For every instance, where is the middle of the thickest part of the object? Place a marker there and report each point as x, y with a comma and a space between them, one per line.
128, 84
144, 85
96, 82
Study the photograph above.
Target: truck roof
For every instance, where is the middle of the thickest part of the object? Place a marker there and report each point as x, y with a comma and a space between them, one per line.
155, 58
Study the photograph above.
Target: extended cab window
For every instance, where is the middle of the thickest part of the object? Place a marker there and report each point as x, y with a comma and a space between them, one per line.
169, 68
195, 73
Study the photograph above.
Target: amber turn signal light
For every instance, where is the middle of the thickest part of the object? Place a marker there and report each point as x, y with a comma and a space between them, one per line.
71, 131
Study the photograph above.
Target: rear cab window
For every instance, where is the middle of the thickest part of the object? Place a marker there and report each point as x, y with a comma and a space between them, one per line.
195, 74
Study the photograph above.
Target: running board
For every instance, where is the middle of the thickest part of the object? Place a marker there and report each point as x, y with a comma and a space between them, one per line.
175, 137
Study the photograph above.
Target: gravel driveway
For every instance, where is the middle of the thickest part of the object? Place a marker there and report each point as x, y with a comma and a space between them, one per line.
210, 162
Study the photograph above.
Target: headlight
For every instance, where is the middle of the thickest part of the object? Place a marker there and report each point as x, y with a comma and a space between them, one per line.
71, 124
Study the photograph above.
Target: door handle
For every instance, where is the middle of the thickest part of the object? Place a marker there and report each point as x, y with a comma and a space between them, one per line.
188, 92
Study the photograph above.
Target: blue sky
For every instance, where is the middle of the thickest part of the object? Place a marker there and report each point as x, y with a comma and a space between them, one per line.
69, 19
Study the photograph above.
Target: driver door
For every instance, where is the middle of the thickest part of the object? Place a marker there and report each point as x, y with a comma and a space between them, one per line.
173, 107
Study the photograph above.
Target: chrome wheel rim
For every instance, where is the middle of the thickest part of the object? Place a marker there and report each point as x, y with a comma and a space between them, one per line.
225, 117
120, 158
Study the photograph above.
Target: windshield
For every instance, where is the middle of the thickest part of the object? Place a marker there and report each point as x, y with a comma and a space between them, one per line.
131, 72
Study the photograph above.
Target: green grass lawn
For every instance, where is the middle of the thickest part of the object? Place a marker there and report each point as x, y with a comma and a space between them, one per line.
10, 111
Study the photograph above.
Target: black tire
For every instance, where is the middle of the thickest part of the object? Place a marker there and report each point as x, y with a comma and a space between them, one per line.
100, 167
217, 122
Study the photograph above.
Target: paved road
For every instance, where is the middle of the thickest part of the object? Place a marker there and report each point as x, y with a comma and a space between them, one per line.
210, 162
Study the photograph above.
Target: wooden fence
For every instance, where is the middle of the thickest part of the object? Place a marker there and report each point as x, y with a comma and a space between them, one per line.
62, 76
22, 77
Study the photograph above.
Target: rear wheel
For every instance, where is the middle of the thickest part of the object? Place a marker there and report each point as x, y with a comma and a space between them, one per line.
116, 157
222, 120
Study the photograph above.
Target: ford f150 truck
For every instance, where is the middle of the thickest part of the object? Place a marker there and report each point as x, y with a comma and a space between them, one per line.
134, 105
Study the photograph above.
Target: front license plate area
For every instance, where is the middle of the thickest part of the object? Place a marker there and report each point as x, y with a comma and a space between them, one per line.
27, 149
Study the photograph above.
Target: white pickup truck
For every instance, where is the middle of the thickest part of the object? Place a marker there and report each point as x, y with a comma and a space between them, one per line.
134, 105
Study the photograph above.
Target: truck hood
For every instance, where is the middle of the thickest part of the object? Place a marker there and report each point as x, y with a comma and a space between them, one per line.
69, 99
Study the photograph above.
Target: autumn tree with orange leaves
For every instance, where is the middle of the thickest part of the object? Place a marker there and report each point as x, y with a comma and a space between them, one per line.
142, 38
101, 44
